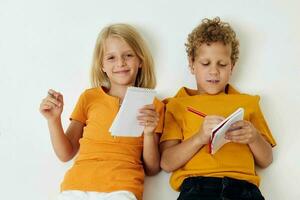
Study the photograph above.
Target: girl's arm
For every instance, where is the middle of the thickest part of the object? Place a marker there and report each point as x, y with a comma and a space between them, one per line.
149, 118
248, 134
175, 154
65, 145
151, 155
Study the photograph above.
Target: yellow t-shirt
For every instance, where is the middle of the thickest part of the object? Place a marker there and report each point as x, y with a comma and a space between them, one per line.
232, 160
106, 163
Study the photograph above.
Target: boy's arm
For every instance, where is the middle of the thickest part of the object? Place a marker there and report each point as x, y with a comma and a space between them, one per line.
248, 134
262, 151
175, 153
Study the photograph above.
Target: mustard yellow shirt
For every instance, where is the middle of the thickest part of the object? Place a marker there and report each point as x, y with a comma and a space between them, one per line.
106, 163
232, 160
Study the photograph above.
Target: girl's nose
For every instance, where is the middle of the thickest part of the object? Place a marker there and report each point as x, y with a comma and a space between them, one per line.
121, 62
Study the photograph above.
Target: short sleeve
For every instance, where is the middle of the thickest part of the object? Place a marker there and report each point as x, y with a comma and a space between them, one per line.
172, 130
79, 112
160, 109
258, 120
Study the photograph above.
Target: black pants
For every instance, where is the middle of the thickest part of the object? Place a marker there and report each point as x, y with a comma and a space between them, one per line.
210, 188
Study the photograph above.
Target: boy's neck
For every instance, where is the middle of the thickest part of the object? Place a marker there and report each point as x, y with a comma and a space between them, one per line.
224, 91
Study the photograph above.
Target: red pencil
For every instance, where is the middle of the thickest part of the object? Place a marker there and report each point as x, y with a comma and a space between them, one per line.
196, 112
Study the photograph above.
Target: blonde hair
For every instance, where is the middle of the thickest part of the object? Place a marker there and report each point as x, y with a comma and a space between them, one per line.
209, 31
145, 76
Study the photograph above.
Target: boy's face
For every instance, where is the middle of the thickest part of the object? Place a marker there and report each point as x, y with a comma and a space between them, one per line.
212, 67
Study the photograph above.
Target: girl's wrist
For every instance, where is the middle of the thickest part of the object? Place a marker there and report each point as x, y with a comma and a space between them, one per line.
54, 120
148, 134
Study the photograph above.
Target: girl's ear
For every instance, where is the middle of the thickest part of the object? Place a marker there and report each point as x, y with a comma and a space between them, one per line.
191, 65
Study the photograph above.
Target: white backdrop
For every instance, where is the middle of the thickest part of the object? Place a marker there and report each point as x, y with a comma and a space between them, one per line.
49, 44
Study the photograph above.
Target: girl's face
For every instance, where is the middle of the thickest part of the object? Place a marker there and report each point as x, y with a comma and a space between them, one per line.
212, 67
120, 62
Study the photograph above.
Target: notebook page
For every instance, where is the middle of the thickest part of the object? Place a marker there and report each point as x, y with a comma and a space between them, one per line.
218, 133
126, 123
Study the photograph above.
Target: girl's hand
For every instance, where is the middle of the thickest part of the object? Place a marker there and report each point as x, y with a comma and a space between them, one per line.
209, 123
51, 107
242, 132
148, 118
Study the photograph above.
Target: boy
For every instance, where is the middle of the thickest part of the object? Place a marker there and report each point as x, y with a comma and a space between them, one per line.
212, 50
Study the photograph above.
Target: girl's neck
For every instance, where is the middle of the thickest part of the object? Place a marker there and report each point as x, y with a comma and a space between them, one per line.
118, 91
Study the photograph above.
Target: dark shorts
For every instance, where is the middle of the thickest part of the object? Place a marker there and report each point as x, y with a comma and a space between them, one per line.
211, 188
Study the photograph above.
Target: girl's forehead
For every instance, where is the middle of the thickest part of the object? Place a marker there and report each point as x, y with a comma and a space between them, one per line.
116, 44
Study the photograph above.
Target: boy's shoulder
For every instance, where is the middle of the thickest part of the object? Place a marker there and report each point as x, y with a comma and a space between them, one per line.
185, 94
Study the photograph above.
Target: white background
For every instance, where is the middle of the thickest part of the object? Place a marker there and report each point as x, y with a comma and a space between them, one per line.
49, 44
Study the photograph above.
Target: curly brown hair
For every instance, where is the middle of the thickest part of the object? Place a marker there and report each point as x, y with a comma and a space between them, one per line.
209, 31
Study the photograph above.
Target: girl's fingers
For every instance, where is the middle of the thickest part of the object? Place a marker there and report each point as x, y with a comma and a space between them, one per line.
147, 118
151, 113
55, 95
149, 106
54, 101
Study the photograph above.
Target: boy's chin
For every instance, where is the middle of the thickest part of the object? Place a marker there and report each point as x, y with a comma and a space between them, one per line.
213, 91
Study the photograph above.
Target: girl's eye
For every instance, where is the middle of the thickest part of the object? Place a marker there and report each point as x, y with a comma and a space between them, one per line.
205, 64
110, 58
222, 65
129, 55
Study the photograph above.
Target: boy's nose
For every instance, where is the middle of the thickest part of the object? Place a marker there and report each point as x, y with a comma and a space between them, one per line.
213, 70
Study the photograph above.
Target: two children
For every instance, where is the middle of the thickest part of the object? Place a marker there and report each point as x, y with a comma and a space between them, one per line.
108, 167
212, 50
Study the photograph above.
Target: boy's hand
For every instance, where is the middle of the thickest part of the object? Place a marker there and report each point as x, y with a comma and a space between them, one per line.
209, 123
51, 106
148, 118
242, 132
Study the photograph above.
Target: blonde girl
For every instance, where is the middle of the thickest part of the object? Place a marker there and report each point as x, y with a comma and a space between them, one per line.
108, 167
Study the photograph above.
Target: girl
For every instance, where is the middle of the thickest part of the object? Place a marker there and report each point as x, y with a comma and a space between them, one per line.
108, 167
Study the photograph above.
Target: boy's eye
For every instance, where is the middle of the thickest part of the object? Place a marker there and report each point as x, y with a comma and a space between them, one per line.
222, 64
205, 63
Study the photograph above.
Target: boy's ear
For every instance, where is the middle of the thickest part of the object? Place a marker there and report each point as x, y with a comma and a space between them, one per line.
232, 66
191, 65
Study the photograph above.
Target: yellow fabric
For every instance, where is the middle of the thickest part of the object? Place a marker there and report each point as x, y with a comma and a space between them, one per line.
106, 163
232, 160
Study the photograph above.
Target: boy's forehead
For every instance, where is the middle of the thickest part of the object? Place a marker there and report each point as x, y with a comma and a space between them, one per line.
215, 47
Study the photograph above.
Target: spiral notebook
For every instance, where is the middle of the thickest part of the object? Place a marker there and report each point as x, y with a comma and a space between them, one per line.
218, 133
125, 123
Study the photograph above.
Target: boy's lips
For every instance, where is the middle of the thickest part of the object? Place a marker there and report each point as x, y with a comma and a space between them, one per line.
213, 81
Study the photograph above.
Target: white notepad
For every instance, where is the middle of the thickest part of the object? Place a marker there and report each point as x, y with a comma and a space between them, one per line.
126, 123
218, 133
